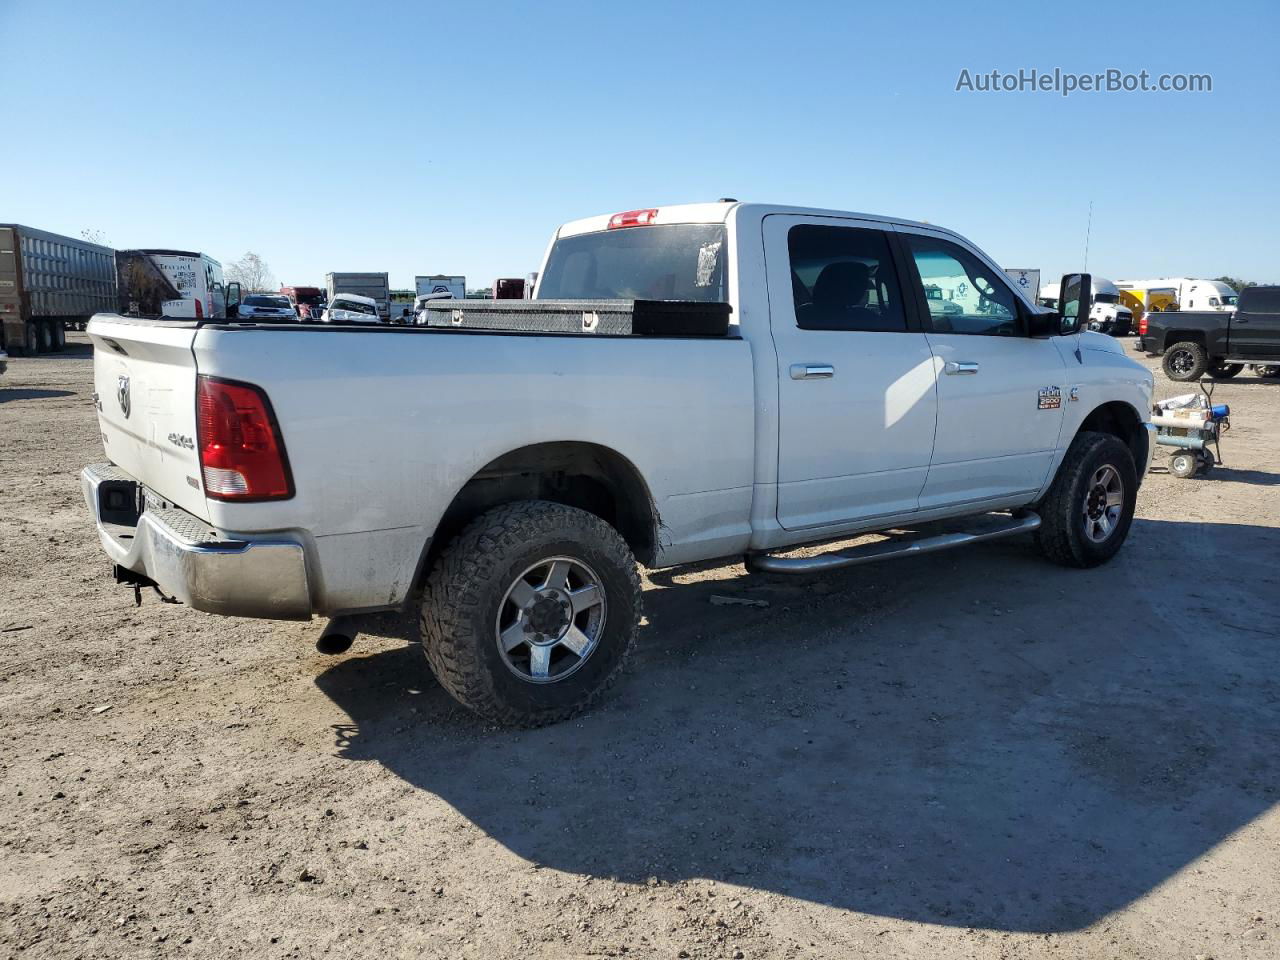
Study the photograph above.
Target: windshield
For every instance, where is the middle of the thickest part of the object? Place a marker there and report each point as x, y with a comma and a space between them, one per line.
257, 300
311, 299
352, 306
1106, 298
681, 261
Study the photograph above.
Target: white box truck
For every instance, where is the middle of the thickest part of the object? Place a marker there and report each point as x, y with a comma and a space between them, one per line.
373, 285
454, 286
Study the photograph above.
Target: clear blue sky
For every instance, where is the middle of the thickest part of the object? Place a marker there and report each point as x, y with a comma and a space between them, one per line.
452, 138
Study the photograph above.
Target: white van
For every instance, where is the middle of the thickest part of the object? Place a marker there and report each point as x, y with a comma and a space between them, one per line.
179, 284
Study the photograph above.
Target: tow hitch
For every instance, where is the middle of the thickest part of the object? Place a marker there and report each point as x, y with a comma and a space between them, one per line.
138, 581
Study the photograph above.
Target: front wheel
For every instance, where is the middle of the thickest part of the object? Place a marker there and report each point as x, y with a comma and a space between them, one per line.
1086, 515
1185, 361
531, 612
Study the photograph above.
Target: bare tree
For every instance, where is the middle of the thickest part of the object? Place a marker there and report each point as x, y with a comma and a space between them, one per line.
252, 273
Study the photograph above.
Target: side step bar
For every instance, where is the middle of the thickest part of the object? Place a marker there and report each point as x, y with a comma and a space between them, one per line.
889, 549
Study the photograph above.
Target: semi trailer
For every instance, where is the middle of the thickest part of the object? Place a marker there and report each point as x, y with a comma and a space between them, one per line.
47, 282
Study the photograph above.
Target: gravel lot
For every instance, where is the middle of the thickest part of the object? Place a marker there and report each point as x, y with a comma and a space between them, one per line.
974, 754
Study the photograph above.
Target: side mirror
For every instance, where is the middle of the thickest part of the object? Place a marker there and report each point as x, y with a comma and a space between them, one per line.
1074, 302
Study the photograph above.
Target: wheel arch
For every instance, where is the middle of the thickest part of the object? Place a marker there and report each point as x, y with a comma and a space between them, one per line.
579, 474
1120, 419
1185, 336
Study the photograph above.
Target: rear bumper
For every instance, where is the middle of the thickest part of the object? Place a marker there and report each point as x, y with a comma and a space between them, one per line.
190, 560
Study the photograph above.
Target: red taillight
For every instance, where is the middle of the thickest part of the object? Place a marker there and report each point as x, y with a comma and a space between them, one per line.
199, 309
1142, 325
241, 453
633, 218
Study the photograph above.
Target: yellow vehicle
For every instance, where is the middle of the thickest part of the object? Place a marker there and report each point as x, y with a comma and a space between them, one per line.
1143, 300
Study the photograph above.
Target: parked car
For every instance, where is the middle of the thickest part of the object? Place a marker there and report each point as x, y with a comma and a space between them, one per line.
744, 379
267, 306
1196, 342
351, 308
374, 285
4, 361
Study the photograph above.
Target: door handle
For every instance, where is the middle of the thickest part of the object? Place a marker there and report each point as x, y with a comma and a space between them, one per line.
960, 368
812, 371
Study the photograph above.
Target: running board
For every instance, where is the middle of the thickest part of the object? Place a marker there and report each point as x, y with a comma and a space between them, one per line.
889, 549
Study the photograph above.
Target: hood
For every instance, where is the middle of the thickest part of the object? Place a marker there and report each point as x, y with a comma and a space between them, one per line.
1100, 342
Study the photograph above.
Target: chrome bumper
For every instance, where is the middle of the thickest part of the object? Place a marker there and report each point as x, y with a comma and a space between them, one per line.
190, 560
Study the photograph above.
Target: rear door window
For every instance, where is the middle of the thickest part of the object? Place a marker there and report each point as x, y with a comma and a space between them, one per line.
843, 278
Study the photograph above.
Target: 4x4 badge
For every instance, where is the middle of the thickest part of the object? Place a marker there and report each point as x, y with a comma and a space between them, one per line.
122, 395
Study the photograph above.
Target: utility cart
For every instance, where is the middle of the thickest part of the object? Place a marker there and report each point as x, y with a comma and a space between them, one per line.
1192, 426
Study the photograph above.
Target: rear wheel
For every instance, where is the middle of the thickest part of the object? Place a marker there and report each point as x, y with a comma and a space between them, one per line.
531, 612
1267, 371
46, 337
31, 341
1223, 370
59, 336
1185, 361
1087, 513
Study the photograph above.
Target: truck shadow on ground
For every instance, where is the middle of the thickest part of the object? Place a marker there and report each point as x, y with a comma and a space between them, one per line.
22, 393
972, 739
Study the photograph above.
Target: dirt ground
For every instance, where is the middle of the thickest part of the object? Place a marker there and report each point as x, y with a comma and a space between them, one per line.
974, 754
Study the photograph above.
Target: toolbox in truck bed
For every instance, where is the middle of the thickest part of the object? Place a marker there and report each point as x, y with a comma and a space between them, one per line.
642, 318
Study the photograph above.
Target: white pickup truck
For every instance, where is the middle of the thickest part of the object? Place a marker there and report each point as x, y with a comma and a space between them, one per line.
507, 481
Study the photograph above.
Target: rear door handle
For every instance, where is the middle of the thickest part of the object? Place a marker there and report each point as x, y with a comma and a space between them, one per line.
812, 371
956, 368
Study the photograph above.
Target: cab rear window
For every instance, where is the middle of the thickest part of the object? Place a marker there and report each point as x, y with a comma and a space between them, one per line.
679, 261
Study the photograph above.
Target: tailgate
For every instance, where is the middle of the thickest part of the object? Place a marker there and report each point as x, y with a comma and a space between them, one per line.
144, 381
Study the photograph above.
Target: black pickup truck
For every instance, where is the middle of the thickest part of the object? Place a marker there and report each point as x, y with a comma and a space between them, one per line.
1196, 342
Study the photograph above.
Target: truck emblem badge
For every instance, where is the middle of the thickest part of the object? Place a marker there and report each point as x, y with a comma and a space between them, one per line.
1050, 398
179, 440
1074, 395
122, 395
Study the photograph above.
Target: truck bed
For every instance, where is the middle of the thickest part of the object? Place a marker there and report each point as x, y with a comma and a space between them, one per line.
382, 425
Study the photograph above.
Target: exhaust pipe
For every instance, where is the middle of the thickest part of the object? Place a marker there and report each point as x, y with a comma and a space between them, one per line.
338, 636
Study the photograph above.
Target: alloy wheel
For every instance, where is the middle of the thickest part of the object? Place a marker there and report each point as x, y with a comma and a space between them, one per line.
1103, 503
551, 620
